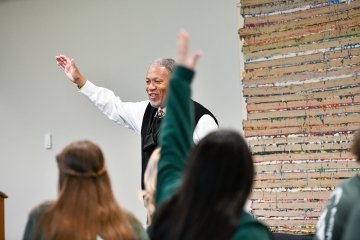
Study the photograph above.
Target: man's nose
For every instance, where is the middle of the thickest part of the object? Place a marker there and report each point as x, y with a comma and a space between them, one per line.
151, 85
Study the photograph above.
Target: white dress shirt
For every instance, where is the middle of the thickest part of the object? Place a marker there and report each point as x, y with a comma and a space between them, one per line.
130, 114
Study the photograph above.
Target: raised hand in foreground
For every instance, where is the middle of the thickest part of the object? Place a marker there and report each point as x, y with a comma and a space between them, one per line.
183, 57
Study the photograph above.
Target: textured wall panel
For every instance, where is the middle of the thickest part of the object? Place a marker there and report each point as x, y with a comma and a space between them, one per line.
302, 90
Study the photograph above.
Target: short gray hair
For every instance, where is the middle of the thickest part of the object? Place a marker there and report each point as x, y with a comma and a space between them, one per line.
168, 63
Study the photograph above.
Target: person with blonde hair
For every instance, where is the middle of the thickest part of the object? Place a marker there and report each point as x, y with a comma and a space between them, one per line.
148, 194
85, 207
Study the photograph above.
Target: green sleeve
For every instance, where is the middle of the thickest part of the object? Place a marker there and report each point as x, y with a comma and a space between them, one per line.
352, 230
137, 227
176, 134
31, 229
250, 228
28, 232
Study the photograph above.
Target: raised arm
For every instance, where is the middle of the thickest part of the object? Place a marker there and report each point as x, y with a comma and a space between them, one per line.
177, 127
70, 69
183, 57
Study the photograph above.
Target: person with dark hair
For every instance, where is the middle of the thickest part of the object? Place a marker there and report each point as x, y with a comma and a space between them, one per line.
142, 117
201, 190
86, 207
343, 200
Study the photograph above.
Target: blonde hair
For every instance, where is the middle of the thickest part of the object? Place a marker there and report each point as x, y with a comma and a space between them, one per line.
148, 195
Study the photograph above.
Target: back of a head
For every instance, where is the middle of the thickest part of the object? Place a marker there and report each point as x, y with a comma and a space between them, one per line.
82, 171
85, 201
216, 184
220, 166
82, 159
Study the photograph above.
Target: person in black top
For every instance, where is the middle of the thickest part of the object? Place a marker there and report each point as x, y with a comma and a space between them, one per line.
140, 117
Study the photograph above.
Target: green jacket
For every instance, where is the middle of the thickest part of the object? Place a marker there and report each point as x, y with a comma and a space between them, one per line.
176, 141
335, 218
352, 230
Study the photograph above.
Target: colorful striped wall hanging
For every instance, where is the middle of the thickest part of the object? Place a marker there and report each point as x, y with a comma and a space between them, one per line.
302, 88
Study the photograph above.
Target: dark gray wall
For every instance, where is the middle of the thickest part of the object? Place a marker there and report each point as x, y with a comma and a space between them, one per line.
113, 42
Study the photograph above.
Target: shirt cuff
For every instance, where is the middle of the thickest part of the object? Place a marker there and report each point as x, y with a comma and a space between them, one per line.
87, 88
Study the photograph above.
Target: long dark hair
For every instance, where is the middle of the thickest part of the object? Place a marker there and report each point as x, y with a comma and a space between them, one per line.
215, 187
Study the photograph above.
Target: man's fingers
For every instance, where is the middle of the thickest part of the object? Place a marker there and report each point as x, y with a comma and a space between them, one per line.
64, 62
62, 58
72, 62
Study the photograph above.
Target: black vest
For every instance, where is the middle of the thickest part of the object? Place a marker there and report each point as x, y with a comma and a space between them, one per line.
150, 132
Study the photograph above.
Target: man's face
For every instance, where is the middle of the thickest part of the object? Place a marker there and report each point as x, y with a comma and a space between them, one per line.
157, 80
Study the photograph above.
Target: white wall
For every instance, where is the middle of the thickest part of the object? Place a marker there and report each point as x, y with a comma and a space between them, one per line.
113, 42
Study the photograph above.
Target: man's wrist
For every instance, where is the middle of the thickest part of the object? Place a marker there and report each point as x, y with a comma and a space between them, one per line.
80, 83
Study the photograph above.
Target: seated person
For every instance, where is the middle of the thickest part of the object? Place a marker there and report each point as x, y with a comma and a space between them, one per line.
86, 207
201, 193
352, 230
148, 195
335, 218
